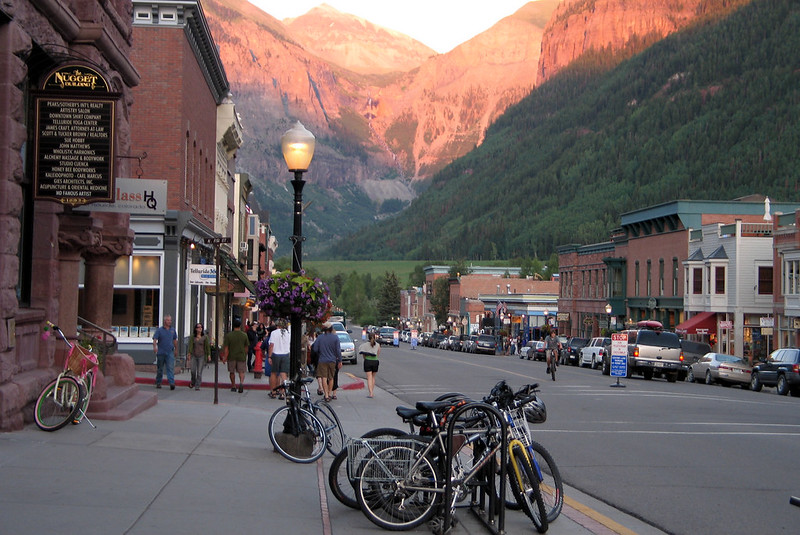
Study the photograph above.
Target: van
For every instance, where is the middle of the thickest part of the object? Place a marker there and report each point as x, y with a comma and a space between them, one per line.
693, 351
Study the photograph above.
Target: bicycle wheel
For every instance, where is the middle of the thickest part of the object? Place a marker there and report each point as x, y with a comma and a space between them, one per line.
553, 367
301, 439
333, 427
86, 396
551, 487
342, 486
57, 403
398, 489
525, 486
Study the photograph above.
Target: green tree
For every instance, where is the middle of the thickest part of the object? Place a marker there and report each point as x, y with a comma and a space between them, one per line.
440, 300
417, 277
389, 298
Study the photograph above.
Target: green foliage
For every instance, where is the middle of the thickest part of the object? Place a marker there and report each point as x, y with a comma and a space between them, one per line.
711, 113
440, 300
417, 277
389, 298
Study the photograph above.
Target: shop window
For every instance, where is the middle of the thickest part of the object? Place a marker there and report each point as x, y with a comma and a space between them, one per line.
697, 281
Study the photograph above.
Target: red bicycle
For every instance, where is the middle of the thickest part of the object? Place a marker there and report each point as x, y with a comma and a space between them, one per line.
66, 398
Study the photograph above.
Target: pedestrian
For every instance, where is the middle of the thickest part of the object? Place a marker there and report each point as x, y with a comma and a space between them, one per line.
278, 348
234, 352
329, 349
370, 351
252, 338
314, 356
165, 343
200, 353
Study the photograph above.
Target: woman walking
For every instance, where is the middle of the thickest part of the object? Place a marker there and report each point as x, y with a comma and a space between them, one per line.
200, 353
370, 351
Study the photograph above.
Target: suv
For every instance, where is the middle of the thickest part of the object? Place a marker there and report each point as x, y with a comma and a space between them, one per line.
571, 352
654, 353
486, 343
781, 370
386, 335
694, 351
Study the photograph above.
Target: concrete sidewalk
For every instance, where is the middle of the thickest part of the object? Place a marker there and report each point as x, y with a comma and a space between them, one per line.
190, 466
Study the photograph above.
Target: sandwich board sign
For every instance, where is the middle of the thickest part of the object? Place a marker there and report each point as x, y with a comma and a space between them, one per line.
619, 357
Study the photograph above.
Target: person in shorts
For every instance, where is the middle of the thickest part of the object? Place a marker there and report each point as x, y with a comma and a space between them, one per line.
278, 357
234, 352
329, 349
370, 351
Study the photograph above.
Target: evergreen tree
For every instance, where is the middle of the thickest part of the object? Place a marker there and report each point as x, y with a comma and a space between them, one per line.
440, 300
389, 298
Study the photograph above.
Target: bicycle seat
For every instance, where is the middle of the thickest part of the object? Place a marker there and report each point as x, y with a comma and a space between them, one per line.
434, 405
407, 413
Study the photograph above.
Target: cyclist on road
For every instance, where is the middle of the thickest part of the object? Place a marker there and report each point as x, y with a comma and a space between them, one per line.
552, 347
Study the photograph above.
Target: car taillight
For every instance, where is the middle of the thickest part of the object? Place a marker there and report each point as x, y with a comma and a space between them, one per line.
796, 368
681, 356
635, 351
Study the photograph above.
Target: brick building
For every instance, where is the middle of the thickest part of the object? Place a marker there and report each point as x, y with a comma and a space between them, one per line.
786, 258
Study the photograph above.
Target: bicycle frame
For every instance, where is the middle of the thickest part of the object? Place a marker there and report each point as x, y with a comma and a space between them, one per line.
82, 377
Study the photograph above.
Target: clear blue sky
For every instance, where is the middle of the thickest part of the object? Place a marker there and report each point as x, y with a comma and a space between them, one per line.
440, 24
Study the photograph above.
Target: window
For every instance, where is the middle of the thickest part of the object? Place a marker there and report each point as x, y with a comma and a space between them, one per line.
764, 280
719, 280
791, 284
636, 280
661, 276
136, 303
697, 281
649, 277
674, 277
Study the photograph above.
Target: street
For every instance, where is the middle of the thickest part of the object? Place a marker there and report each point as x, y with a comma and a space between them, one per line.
687, 458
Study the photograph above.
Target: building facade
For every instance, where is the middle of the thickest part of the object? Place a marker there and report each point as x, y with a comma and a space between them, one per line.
786, 259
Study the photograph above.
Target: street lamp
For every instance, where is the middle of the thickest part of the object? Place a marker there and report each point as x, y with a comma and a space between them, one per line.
608, 313
297, 145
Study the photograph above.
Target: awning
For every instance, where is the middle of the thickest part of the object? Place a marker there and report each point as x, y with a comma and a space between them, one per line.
702, 323
231, 263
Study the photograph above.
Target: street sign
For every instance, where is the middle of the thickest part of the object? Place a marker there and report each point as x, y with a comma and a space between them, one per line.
619, 356
216, 241
203, 274
726, 324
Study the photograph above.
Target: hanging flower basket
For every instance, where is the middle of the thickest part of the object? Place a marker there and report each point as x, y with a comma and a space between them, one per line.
287, 292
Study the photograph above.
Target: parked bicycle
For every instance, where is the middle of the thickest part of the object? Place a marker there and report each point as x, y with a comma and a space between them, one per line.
295, 432
325, 414
66, 398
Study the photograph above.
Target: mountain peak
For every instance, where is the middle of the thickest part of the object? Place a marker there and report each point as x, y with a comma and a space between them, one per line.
355, 43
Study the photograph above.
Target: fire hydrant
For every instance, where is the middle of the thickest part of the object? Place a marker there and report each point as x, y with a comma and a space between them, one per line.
258, 364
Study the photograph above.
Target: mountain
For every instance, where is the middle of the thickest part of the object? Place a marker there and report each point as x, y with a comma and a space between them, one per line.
710, 112
356, 44
379, 134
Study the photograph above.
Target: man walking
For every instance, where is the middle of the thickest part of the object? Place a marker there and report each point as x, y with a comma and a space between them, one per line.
329, 349
234, 353
165, 343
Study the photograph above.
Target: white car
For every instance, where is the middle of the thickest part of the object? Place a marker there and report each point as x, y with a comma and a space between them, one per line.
348, 348
592, 353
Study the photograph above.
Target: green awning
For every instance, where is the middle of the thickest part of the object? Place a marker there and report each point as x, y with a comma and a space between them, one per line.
233, 266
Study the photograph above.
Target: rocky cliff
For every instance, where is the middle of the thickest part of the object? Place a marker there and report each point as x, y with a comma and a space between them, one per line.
620, 27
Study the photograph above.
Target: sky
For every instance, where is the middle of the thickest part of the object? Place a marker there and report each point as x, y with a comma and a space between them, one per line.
439, 24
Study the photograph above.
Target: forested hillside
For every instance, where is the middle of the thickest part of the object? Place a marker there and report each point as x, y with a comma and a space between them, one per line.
712, 112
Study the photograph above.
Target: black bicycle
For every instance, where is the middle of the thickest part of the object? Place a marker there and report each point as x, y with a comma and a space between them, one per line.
295, 432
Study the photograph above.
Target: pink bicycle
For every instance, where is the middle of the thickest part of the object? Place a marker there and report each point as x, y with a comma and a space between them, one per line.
66, 398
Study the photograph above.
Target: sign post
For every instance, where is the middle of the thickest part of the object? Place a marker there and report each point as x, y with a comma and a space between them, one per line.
619, 357
216, 243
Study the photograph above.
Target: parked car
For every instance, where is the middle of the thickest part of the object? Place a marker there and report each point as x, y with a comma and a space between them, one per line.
348, 348
593, 353
534, 350
468, 345
720, 368
453, 343
386, 335
654, 352
486, 343
694, 351
571, 352
524, 350
781, 370
434, 339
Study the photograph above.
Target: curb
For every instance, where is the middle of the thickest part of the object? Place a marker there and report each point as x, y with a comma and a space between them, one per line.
355, 383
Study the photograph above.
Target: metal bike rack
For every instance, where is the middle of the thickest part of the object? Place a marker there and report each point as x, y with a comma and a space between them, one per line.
484, 502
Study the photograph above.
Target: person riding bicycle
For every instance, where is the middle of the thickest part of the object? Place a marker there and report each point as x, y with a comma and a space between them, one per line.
552, 346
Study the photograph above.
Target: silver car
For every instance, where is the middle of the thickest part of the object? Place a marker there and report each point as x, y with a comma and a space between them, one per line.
720, 368
348, 348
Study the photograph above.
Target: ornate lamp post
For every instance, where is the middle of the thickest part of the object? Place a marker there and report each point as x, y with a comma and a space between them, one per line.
297, 145
608, 313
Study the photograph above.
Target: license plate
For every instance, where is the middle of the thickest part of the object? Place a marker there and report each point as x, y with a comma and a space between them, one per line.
659, 364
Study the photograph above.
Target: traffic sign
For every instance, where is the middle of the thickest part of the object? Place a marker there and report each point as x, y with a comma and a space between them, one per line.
217, 241
619, 356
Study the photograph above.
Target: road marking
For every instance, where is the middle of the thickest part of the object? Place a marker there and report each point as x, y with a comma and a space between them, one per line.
597, 517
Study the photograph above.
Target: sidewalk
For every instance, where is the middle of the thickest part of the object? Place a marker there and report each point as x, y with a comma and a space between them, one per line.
188, 466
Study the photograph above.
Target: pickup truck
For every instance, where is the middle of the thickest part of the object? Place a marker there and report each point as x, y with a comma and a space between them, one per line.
592, 354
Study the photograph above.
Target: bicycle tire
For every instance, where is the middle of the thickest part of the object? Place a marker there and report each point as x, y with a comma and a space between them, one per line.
527, 490
551, 486
310, 440
553, 371
333, 427
86, 386
57, 403
342, 486
382, 493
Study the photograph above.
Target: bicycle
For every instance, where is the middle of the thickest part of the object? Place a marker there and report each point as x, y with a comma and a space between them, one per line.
295, 432
325, 414
552, 362
519, 409
66, 398
400, 481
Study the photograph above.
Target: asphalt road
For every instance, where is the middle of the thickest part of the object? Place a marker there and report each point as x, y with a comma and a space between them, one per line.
686, 458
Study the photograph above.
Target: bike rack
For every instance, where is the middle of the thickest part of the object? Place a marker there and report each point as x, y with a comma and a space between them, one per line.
486, 506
